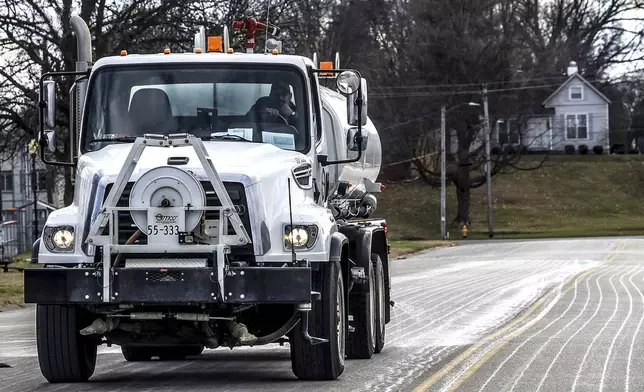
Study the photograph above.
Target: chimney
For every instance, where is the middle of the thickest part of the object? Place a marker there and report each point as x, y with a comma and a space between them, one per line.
572, 68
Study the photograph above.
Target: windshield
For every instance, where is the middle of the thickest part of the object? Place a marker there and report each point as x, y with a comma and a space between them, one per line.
261, 105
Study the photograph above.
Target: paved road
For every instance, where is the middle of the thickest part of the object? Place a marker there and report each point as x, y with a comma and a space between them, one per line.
483, 316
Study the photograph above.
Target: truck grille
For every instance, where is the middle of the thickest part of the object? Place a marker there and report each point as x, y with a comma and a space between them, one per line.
236, 192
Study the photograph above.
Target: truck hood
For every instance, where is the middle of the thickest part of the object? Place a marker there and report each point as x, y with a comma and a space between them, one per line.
244, 162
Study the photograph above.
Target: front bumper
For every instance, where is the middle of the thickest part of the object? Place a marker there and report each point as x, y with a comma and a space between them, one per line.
180, 286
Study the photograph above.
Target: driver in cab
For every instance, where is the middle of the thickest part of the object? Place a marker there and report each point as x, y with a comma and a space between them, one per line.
278, 103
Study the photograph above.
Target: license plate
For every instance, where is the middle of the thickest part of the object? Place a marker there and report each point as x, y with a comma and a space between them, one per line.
154, 230
165, 224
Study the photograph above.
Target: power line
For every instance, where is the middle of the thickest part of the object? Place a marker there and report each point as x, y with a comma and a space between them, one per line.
563, 77
412, 159
471, 92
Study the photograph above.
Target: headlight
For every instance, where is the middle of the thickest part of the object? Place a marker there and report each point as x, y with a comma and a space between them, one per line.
59, 239
301, 237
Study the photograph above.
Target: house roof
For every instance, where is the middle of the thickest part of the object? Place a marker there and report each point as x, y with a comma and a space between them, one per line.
564, 84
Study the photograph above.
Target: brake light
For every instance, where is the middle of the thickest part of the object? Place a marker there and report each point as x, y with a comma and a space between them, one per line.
384, 226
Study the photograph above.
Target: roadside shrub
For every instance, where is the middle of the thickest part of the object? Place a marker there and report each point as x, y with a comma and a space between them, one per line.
510, 150
599, 150
583, 149
523, 150
618, 148
496, 150
570, 149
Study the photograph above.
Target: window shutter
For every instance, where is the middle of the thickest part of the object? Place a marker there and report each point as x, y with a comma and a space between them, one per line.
589, 119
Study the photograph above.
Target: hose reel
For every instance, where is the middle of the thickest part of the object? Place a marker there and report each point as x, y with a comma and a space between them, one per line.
164, 187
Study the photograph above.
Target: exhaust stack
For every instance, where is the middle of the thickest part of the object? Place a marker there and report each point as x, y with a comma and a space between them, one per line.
79, 90
83, 40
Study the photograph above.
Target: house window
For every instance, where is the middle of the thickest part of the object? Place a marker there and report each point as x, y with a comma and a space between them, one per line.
576, 93
508, 132
6, 181
576, 126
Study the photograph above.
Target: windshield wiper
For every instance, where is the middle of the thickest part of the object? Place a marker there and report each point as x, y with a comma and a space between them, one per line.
226, 137
123, 139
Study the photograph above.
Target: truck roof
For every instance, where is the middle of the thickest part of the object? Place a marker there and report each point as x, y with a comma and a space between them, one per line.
213, 57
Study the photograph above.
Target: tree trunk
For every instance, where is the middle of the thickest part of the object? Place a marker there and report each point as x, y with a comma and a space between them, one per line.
462, 182
463, 214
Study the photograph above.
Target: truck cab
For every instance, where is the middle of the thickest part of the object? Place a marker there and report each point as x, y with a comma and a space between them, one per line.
221, 200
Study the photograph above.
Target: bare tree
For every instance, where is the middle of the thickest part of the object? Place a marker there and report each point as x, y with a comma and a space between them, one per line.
36, 37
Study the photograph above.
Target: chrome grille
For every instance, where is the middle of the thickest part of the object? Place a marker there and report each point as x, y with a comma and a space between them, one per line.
236, 193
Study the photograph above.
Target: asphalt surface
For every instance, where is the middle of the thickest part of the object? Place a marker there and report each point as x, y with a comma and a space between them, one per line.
487, 316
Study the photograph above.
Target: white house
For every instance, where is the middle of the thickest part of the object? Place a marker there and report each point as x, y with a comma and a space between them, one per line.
578, 115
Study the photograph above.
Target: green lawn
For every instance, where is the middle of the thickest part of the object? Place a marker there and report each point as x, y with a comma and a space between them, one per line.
11, 283
403, 247
571, 196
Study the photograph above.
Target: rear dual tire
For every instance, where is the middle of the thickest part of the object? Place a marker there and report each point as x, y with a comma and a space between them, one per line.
368, 311
361, 343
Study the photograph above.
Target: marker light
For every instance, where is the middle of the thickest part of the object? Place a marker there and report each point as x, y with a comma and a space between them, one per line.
326, 65
215, 44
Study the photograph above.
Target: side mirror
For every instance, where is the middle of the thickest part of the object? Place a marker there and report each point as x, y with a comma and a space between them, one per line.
352, 106
50, 101
51, 140
352, 143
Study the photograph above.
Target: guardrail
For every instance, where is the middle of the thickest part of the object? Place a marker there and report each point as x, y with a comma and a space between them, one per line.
9, 243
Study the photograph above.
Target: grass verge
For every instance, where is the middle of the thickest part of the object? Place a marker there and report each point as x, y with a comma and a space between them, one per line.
577, 196
11, 283
404, 247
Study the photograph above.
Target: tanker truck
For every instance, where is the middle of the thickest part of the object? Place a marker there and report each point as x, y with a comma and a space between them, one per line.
222, 199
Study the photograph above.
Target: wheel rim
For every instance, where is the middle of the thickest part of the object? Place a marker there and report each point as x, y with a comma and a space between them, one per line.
339, 308
372, 308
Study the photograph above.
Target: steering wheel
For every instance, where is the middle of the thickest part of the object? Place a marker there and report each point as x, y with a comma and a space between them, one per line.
263, 115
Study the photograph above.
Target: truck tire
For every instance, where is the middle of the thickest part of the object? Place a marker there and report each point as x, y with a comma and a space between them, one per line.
361, 343
381, 302
136, 354
64, 354
327, 319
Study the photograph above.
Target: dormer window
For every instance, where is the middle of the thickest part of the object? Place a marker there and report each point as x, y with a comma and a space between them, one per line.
576, 93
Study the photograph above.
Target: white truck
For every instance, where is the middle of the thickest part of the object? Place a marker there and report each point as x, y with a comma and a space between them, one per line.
203, 219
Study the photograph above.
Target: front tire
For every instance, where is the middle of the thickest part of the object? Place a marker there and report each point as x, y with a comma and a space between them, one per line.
326, 320
381, 299
64, 354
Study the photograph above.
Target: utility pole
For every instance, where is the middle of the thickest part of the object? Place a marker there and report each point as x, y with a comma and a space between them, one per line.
488, 165
443, 174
